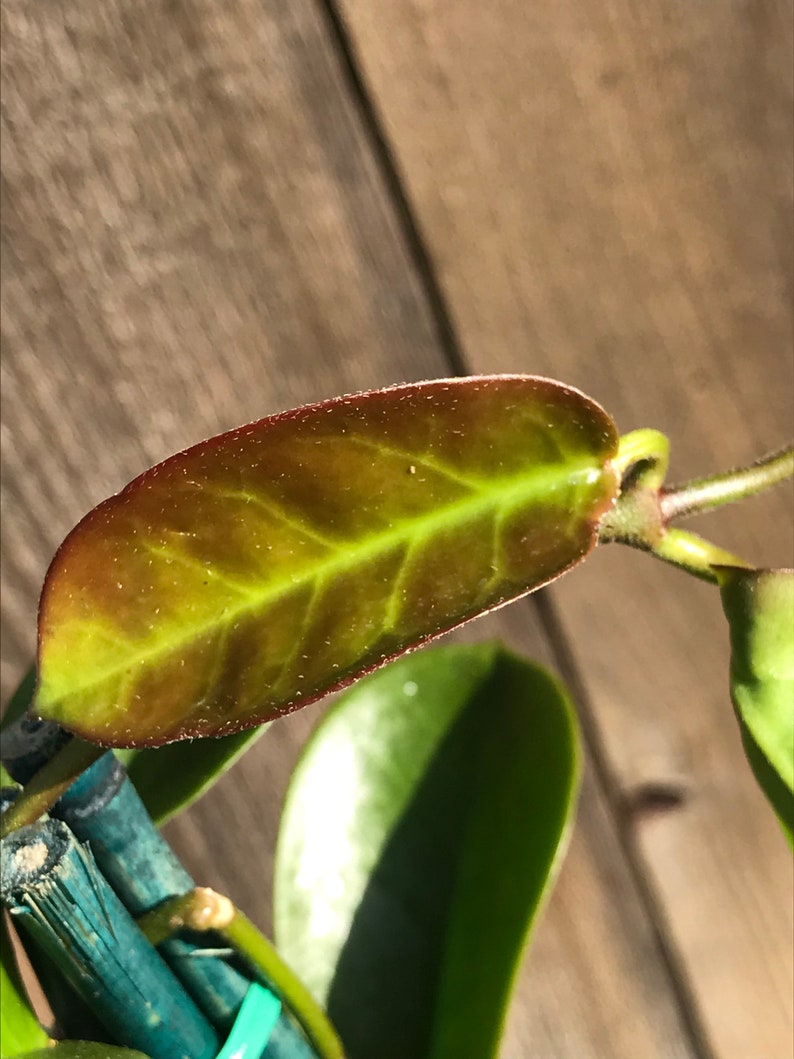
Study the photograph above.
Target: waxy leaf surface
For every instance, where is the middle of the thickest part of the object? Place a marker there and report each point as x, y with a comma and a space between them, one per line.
258, 570
759, 606
419, 834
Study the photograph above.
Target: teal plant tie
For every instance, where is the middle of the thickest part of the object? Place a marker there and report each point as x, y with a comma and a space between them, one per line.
253, 1026
263, 1030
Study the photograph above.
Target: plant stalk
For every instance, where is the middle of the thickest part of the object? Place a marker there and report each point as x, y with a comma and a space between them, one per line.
46, 787
644, 509
695, 554
204, 909
703, 494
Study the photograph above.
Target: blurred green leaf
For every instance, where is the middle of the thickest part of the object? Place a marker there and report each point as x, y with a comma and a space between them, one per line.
21, 699
73, 1017
170, 778
82, 1050
19, 1028
759, 606
418, 838
267, 566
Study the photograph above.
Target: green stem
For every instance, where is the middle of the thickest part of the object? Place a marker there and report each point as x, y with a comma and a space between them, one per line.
647, 449
246, 939
203, 909
48, 784
695, 554
704, 494
643, 511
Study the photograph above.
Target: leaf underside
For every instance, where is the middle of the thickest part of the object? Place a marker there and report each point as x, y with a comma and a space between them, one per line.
260, 569
418, 838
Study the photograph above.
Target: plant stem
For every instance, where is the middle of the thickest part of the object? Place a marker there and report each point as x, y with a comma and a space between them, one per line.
644, 509
695, 554
706, 493
48, 784
199, 909
247, 940
203, 909
648, 447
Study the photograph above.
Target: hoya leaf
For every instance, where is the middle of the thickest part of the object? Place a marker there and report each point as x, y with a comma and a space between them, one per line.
256, 571
170, 778
759, 605
19, 1028
418, 838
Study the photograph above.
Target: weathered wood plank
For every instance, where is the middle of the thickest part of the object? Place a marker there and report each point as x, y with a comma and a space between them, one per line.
196, 233
605, 192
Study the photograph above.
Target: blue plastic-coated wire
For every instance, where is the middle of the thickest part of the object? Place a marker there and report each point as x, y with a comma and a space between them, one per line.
254, 1025
264, 1031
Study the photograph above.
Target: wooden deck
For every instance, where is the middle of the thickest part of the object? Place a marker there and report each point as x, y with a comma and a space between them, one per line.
212, 211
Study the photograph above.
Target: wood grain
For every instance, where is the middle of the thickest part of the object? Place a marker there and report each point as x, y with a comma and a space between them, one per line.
605, 193
199, 229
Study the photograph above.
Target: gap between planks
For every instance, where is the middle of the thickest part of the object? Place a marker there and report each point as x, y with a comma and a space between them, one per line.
564, 658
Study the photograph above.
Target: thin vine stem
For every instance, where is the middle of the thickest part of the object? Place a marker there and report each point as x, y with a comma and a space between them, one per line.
703, 494
204, 909
644, 510
48, 784
693, 553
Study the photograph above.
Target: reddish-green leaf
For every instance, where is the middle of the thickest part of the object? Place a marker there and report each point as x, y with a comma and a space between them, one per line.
256, 571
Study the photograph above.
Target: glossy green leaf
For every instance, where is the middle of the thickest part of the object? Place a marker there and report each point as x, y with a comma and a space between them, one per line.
418, 837
82, 1050
170, 778
19, 1028
759, 605
259, 570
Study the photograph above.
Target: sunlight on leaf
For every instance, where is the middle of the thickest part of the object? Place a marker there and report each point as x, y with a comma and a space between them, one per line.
168, 778
418, 838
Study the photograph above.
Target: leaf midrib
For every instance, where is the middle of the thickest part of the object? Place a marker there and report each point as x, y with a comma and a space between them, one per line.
505, 493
